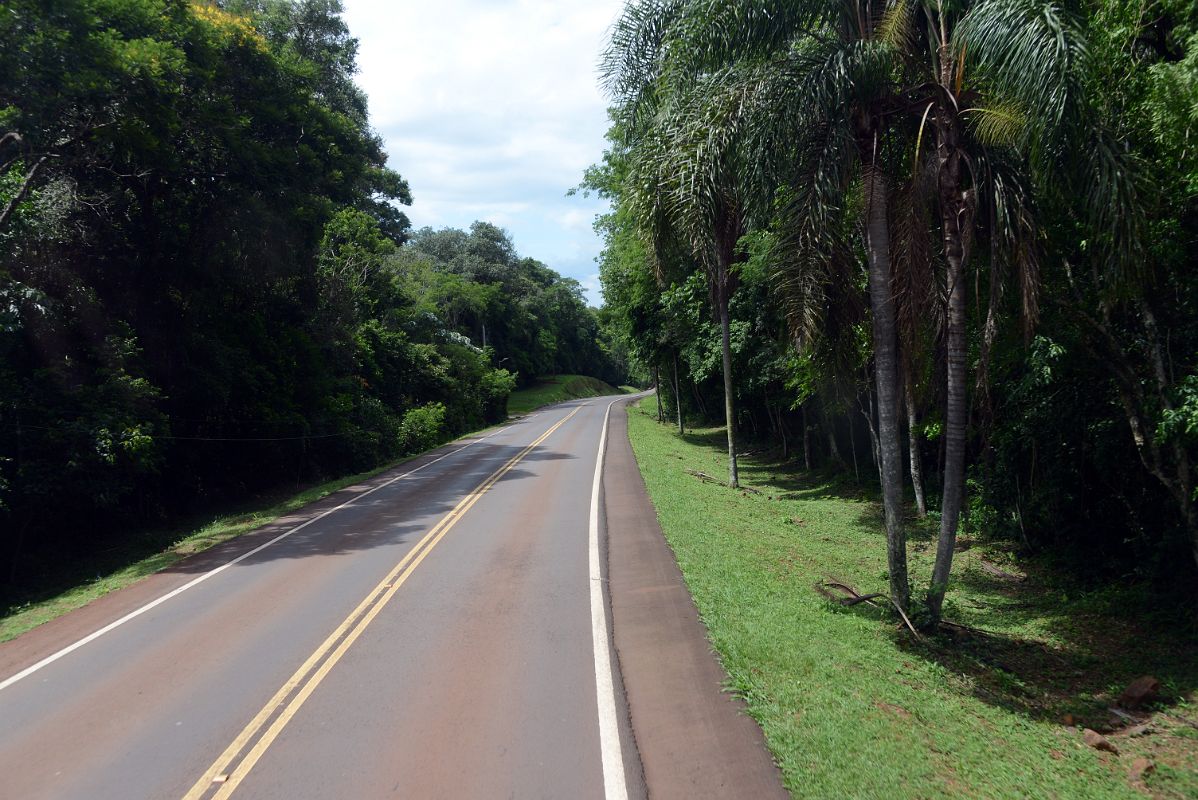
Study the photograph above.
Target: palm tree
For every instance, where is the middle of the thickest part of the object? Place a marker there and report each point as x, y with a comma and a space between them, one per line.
1007, 117
832, 96
796, 94
683, 182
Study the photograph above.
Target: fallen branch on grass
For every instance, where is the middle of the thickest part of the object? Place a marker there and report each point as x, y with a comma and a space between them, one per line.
703, 476
948, 623
989, 568
1183, 720
854, 597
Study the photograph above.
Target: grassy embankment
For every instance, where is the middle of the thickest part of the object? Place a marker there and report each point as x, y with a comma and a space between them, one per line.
853, 707
556, 389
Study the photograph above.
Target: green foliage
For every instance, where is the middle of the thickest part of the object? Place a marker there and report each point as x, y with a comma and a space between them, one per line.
534, 321
1061, 140
205, 289
423, 428
1181, 420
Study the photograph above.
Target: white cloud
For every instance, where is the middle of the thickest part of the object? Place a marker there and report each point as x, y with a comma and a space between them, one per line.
491, 109
575, 219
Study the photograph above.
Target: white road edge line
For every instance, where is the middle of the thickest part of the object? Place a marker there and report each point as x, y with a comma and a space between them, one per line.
50, 659
614, 785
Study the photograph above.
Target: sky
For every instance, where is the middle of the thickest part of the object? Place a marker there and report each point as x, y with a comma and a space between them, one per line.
491, 109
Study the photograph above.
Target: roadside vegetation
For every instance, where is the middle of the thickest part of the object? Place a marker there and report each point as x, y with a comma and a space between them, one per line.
556, 389
924, 272
853, 706
943, 248
208, 288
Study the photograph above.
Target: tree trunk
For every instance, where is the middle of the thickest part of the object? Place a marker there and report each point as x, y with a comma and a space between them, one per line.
15, 201
657, 391
881, 296
921, 504
874, 444
833, 448
853, 446
956, 220
1181, 461
726, 350
678, 397
806, 441
1106, 349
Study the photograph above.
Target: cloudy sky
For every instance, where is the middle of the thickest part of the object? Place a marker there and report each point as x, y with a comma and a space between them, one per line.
491, 110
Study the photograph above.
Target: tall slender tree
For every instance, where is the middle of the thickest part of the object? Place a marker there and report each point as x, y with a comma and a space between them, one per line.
684, 183
1007, 116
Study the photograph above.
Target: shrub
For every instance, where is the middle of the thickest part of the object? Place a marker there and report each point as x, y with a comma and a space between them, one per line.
422, 428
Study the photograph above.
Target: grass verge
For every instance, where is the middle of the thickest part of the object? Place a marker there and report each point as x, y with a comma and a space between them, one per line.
851, 707
556, 389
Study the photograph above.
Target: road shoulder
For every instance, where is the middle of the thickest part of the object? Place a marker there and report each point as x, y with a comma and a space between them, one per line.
695, 740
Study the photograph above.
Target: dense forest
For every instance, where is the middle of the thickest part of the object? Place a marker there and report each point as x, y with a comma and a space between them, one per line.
945, 247
207, 288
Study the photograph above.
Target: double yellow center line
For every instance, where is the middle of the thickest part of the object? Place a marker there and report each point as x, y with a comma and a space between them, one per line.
227, 772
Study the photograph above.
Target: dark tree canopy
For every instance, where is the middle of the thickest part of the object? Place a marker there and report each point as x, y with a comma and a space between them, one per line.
204, 288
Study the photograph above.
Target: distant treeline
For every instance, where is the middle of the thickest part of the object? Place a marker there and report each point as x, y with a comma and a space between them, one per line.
206, 288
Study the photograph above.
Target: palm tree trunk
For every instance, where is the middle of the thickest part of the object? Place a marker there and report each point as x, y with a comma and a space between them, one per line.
921, 503
657, 391
833, 448
806, 441
726, 351
956, 219
695, 393
954, 433
678, 397
853, 446
881, 296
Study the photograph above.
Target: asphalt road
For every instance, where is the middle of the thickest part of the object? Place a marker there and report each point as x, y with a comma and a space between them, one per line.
433, 637
443, 630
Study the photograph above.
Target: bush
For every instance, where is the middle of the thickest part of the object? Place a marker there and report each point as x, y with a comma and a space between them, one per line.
422, 428
497, 386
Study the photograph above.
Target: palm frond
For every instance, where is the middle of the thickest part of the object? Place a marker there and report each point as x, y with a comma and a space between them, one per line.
1027, 54
1008, 218
1112, 196
711, 34
914, 254
896, 28
996, 125
816, 267
631, 64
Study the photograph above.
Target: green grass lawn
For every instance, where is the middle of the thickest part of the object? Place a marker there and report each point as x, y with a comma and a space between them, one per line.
555, 389
853, 707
